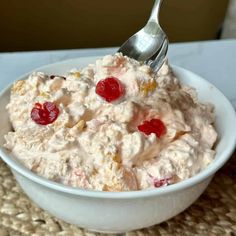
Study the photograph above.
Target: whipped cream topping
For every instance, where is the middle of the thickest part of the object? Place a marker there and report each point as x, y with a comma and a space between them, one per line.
95, 144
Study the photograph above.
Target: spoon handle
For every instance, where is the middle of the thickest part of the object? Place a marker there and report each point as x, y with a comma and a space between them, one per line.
155, 11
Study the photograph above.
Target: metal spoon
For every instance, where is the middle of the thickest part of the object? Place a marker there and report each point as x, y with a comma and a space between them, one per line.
149, 42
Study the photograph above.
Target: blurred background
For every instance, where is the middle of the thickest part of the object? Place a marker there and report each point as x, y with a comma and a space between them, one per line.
64, 24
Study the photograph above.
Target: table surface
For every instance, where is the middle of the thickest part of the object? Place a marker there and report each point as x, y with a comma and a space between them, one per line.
213, 60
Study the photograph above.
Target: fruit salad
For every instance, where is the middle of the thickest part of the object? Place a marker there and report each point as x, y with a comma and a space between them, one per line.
114, 125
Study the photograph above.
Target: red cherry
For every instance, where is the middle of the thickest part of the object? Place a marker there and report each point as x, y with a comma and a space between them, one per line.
38, 105
155, 126
44, 114
161, 182
110, 89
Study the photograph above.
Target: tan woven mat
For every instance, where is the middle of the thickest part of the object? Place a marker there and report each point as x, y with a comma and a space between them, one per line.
213, 214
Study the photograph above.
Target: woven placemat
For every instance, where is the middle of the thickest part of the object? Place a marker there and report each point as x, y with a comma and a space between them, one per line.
213, 214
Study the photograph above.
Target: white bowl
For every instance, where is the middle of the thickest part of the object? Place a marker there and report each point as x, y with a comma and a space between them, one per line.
123, 211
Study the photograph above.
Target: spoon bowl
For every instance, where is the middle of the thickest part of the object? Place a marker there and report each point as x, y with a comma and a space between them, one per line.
147, 44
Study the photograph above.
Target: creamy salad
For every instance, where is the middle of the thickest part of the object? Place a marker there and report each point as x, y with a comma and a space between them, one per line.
111, 126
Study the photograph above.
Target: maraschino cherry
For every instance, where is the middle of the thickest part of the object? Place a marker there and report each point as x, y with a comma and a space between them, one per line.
44, 114
110, 89
155, 126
